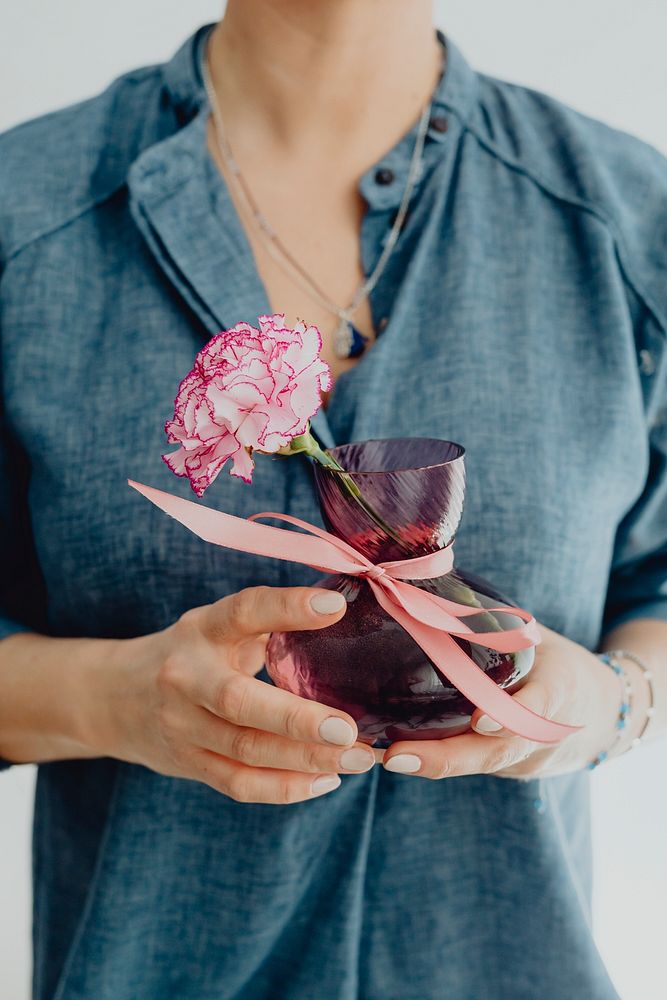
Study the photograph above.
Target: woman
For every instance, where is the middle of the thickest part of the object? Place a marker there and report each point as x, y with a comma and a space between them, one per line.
185, 845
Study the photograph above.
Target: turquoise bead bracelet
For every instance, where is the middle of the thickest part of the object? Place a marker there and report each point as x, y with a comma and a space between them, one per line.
624, 710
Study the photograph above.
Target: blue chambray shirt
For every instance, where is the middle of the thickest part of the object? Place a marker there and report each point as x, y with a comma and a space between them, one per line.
523, 313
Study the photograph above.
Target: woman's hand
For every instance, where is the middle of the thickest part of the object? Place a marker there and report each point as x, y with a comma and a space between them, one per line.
568, 684
184, 702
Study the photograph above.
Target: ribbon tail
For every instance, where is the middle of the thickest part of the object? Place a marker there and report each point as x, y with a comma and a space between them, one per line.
472, 681
233, 532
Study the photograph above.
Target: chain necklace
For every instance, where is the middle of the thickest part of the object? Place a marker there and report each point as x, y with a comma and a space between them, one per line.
349, 342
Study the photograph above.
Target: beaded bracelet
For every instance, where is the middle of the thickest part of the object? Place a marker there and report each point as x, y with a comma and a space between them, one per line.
648, 677
624, 708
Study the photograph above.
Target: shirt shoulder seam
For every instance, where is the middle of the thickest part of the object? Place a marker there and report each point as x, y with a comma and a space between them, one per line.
133, 78
63, 223
549, 189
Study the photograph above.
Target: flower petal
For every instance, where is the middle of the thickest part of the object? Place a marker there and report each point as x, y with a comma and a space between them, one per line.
242, 466
250, 389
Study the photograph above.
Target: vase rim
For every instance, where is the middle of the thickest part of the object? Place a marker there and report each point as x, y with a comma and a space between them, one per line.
460, 453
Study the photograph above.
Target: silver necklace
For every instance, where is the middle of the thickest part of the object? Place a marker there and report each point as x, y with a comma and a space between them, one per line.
348, 340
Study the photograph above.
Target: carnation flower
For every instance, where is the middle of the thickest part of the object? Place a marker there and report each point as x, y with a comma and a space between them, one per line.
249, 390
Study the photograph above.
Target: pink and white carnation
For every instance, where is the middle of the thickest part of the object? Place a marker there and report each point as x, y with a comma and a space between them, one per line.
249, 390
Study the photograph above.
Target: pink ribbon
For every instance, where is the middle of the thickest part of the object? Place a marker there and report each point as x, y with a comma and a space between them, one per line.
432, 621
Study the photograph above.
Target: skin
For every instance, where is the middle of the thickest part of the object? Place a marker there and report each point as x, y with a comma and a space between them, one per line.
304, 87
185, 701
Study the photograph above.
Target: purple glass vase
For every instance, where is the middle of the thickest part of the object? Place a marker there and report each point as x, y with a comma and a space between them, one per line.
367, 664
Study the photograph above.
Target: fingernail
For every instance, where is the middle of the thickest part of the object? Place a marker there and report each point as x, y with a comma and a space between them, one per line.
325, 783
326, 602
404, 763
485, 724
338, 731
357, 760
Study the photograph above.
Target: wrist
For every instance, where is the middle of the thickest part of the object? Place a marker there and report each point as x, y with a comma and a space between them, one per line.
640, 702
610, 698
108, 702
632, 705
81, 722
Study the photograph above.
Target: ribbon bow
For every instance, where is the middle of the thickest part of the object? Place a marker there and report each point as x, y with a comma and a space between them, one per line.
432, 621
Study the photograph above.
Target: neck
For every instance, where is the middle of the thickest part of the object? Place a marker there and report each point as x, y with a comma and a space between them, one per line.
301, 67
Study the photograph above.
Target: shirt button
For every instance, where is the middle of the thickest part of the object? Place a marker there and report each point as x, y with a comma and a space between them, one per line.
384, 176
439, 123
646, 362
382, 324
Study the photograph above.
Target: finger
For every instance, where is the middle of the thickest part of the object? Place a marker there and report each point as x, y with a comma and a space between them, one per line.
256, 610
469, 753
539, 693
248, 701
261, 749
260, 784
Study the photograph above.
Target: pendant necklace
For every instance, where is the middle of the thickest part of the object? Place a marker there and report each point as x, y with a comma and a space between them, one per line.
349, 342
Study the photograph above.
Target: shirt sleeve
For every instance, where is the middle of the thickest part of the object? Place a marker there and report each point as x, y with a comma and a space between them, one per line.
22, 600
8, 625
638, 577
16, 564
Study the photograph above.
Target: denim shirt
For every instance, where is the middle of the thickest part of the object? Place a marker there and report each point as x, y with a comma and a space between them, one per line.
522, 313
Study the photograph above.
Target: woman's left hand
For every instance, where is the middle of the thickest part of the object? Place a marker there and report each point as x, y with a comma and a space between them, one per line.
567, 684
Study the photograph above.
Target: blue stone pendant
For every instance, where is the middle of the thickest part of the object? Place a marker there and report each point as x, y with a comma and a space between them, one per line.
358, 342
348, 341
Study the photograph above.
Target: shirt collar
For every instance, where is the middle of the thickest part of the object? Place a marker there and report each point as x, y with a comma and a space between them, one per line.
170, 194
182, 76
454, 92
383, 184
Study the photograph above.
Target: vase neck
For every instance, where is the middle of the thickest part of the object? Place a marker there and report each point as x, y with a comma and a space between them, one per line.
410, 496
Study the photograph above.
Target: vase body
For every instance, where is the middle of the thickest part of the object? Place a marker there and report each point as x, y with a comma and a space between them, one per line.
366, 664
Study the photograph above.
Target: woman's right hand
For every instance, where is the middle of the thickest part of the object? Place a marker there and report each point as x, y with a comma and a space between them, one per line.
185, 702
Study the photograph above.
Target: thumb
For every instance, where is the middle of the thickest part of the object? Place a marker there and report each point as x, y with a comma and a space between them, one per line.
258, 610
534, 695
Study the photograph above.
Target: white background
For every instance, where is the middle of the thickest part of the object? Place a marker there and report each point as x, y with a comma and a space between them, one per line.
605, 57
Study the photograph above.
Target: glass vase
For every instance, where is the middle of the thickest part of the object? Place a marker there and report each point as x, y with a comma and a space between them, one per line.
366, 664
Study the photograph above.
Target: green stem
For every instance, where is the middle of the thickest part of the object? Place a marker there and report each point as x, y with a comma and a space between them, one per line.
306, 443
